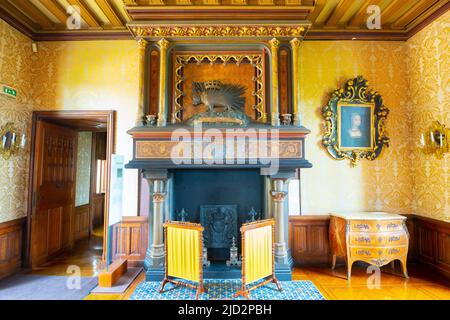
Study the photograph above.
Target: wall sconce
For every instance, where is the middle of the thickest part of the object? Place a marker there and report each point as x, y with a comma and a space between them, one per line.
11, 143
436, 140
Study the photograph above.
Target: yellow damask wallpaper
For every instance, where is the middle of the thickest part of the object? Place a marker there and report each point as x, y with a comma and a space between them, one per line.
381, 185
429, 88
15, 68
96, 75
411, 76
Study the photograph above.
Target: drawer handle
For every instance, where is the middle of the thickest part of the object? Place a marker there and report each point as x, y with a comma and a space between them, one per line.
392, 226
363, 239
363, 252
362, 226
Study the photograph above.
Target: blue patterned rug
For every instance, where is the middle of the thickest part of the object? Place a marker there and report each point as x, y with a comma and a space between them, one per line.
225, 289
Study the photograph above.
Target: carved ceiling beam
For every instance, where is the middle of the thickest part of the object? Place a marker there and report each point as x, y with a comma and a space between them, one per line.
56, 9
110, 13
221, 30
237, 10
86, 14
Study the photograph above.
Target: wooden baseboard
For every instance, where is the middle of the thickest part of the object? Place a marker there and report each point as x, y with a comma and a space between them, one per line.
11, 234
429, 241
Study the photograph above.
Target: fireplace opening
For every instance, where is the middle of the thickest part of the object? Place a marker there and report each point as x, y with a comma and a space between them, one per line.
221, 200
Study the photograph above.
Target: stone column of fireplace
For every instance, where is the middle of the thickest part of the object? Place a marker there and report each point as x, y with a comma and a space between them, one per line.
278, 196
295, 45
154, 260
159, 200
142, 43
279, 201
162, 106
275, 110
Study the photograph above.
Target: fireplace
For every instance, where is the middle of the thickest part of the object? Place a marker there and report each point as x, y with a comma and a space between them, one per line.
196, 169
219, 194
221, 200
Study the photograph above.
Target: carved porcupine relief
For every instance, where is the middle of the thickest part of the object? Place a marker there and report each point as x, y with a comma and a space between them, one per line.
225, 103
214, 94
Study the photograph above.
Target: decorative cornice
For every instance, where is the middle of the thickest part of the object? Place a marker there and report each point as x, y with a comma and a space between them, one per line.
220, 30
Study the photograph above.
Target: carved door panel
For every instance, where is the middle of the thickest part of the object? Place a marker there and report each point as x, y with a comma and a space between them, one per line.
54, 191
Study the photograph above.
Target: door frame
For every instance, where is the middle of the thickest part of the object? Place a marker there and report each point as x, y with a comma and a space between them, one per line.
109, 117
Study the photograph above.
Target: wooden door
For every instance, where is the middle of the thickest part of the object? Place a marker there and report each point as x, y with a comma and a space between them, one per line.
53, 191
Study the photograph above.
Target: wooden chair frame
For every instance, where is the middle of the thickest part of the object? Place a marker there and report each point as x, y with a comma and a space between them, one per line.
271, 278
186, 225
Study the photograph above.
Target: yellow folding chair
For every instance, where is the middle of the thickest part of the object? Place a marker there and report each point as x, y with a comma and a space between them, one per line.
183, 248
258, 261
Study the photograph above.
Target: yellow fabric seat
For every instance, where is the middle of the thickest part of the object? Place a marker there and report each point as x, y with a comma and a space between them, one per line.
257, 256
183, 246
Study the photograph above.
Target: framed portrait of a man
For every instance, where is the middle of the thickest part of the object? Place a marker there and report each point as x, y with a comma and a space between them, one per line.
355, 125
355, 122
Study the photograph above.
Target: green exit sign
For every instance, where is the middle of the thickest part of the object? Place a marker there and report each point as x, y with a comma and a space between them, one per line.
9, 91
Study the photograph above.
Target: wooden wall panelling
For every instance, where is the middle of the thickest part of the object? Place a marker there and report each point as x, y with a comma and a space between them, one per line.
98, 205
308, 239
82, 221
130, 238
433, 244
429, 242
11, 246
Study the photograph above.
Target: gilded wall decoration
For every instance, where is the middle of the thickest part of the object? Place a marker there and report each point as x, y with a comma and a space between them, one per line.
244, 31
382, 185
15, 68
429, 79
355, 122
412, 76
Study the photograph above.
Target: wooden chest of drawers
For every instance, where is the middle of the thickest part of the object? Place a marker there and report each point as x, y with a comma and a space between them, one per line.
376, 238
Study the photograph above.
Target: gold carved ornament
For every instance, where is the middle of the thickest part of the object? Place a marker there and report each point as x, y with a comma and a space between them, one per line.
221, 31
10, 142
355, 93
436, 140
255, 60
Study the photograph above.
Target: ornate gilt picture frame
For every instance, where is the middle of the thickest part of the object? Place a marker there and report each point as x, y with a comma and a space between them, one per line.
355, 122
